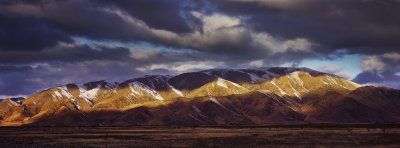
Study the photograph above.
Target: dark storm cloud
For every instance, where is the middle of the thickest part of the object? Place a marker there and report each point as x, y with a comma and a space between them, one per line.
83, 18
97, 20
38, 46
10, 69
380, 70
159, 14
27, 33
63, 53
359, 25
381, 79
30, 79
15, 84
79, 18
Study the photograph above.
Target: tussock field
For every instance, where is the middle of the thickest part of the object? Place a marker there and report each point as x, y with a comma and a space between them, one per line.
284, 136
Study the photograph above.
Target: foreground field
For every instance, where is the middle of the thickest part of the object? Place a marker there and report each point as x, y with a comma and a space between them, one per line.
199, 137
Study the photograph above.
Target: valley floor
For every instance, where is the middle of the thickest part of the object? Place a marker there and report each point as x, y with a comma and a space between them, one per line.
285, 136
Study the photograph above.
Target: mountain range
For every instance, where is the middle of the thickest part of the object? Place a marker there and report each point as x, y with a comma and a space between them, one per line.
262, 96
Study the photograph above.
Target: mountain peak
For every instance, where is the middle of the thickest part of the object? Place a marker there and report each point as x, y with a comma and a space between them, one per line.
246, 96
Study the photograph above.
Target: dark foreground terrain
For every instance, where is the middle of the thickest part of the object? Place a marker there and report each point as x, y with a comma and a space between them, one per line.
298, 136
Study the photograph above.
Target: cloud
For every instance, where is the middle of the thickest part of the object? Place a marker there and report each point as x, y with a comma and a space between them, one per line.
284, 4
266, 41
227, 35
373, 63
231, 27
44, 43
216, 21
392, 56
359, 26
337, 70
181, 67
216, 32
380, 70
11, 68
50, 74
27, 33
378, 79
14, 96
82, 18
158, 14
142, 54
387, 62
256, 63
64, 52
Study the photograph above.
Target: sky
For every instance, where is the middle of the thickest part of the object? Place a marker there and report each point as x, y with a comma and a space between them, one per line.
45, 43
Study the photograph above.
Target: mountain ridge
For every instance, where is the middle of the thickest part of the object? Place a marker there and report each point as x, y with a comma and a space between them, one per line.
275, 95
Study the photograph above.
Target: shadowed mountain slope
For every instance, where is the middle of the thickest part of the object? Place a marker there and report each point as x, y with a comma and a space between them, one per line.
277, 95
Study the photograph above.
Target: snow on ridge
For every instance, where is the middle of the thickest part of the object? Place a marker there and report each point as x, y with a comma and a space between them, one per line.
82, 88
221, 82
295, 76
176, 91
295, 92
138, 88
264, 91
331, 80
326, 83
354, 84
61, 92
237, 85
215, 101
11, 103
89, 95
280, 89
224, 83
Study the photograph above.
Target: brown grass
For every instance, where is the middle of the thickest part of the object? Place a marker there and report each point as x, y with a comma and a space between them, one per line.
199, 137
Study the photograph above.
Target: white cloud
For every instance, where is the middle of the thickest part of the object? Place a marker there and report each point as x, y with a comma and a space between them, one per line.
266, 41
12, 96
142, 54
337, 70
330, 69
219, 29
300, 44
392, 56
373, 63
181, 67
392, 84
216, 21
256, 63
279, 3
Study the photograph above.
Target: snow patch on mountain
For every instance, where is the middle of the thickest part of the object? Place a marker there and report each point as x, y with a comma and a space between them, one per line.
179, 93
295, 76
220, 82
280, 89
141, 89
11, 103
89, 95
61, 92
295, 92
212, 99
